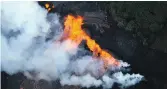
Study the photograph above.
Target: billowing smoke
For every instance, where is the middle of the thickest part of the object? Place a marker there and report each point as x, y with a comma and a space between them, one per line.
29, 44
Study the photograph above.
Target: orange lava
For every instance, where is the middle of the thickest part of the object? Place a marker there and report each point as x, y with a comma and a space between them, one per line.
49, 7
46, 5
74, 32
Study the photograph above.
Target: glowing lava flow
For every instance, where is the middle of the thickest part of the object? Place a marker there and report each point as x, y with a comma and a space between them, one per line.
74, 32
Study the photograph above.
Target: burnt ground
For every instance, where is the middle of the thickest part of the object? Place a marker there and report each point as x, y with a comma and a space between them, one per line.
133, 31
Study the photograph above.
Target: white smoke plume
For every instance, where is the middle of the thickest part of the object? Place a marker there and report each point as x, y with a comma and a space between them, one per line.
29, 45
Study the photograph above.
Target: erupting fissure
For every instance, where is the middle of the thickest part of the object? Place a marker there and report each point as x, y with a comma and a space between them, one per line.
74, 32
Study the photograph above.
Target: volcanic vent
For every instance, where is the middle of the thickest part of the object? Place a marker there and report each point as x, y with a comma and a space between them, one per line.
54, 59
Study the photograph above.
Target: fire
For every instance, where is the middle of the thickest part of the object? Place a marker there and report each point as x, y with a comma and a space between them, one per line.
49, 7
74, 32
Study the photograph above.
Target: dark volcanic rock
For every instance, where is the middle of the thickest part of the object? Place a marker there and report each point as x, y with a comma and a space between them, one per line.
4, 80
161, 41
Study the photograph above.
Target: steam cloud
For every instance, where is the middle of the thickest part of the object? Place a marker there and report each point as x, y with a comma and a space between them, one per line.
24, 29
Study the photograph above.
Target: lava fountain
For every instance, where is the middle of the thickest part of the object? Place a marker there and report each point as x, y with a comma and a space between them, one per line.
73, 31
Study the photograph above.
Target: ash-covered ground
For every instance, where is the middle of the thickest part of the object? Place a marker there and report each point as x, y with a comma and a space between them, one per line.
134, 31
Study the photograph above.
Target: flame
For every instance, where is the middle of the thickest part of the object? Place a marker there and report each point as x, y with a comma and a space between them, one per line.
74, 32
46, 5
49, 7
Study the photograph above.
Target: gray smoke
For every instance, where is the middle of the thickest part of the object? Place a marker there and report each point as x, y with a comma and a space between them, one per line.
24, 29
